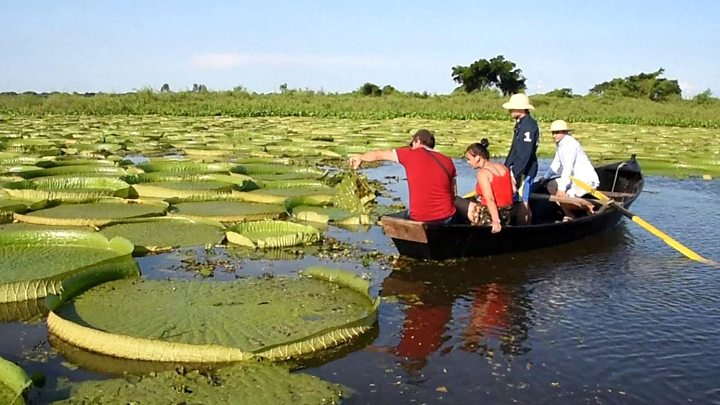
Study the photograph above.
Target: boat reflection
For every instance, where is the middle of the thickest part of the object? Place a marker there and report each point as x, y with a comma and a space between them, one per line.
457, 306
479, 305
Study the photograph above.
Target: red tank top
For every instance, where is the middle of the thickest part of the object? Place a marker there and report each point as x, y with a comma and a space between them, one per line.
502, 189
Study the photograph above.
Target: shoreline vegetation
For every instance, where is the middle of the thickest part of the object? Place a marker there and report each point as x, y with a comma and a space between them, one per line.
696, 113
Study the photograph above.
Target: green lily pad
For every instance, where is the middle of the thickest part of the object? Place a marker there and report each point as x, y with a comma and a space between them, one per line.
95, 213
272, 234
180, 190
291, 183
241, 181
207, 322
16, 205
242, 383
324, 215
164, 233
68, 189
13, 382
186, 166
298, 191
229, 211
260, 168
34, 263
86, 170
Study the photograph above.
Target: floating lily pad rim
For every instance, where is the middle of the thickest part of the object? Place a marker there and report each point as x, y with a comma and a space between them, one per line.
155, 350
118, 266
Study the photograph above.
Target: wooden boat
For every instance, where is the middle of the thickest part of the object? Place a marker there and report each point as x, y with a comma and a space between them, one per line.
621, 181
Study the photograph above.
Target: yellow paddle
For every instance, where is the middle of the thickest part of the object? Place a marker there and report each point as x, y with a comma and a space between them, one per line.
605, 200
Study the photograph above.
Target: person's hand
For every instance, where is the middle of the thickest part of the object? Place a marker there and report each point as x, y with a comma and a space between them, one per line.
562, 193
496, 227
355, 162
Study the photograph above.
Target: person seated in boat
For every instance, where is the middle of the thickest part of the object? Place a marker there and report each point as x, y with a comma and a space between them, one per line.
431, 177
494, 189
570, 160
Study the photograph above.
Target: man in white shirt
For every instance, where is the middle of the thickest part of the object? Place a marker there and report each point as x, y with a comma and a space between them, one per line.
570, 160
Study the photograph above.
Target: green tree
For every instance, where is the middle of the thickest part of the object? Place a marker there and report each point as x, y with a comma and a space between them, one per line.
643, 85
370, 89
484, 74
199, 88
705, 97
388, 89
561, 93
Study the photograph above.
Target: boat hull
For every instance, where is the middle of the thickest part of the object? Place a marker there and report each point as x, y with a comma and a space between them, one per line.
437, 242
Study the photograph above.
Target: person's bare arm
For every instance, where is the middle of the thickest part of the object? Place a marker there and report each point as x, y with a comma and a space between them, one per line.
357, 160
483, 178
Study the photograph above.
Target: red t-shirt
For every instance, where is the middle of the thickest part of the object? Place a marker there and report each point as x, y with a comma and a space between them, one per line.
429, 186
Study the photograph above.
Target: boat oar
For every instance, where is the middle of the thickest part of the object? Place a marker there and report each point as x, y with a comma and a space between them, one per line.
605, 200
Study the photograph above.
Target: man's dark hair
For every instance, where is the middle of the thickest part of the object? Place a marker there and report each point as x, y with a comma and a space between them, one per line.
425, 137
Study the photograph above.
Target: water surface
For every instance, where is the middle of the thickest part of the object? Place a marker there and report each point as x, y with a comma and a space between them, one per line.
616, 318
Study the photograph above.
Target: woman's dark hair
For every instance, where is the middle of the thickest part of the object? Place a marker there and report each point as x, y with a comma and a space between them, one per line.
479, 148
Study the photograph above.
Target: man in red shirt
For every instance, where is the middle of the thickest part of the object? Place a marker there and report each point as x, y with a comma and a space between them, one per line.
430, 175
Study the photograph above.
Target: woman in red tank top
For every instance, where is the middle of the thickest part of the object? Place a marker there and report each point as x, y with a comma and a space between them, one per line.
494, 187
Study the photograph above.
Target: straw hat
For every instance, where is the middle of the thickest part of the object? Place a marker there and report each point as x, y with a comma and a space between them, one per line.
559, 126
518, 102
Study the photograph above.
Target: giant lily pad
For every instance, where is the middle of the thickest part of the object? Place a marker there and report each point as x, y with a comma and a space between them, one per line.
229, 211
34, 263
324, 215
185, 166
243, 383
9, 204
241, 181
160, 234
207, 322
298, 191
272, 234
96, 213
289, 183
94, 170
181, 190
260, 168
68, 189
13, 382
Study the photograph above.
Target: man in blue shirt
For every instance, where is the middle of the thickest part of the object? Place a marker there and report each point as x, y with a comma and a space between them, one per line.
522, 158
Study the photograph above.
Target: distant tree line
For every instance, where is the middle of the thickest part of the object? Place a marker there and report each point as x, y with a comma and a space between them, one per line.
497, 75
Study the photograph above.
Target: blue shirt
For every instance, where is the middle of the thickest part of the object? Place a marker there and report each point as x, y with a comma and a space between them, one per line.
522, 158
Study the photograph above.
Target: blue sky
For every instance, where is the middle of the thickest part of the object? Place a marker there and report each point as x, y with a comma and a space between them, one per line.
336, 46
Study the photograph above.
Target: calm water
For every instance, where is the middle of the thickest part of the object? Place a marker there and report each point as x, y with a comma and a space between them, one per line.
616, 318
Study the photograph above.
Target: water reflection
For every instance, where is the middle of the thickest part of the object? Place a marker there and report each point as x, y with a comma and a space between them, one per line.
481, 305
457, 306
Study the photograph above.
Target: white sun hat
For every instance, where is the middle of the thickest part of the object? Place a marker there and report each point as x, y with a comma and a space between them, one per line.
518, 101
559, 126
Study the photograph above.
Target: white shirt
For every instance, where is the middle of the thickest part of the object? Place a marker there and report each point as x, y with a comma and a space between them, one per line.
571, 160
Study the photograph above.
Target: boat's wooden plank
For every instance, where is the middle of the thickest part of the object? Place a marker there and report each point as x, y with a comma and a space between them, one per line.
617, 194
399, 228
